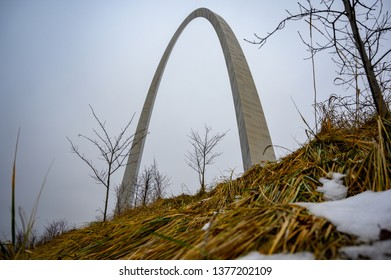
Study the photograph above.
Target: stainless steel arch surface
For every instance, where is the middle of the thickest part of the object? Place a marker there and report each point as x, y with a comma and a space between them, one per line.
254, 135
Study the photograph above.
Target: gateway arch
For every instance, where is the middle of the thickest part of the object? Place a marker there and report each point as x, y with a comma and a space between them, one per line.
253, 131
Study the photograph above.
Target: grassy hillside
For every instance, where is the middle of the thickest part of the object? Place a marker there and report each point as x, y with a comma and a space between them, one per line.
254, 212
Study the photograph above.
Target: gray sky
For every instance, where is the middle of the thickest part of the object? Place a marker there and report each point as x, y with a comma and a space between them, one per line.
59, 56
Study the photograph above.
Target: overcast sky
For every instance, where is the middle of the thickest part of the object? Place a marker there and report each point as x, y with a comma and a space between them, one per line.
56, 57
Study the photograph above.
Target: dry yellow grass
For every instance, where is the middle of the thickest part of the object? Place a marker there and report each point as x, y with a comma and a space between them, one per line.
254, 212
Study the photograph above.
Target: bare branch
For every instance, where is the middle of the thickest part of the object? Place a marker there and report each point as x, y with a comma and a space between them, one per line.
102, 127
97, 173
201, 154
112, 153
151, 185
354, 34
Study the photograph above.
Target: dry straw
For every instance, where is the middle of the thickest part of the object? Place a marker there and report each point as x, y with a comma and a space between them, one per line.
254, 212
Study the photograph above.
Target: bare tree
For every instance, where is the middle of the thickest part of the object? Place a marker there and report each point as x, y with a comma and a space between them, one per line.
54, 229
354, 32
161, 182
202, 153
145, 185
151, 185
113, 152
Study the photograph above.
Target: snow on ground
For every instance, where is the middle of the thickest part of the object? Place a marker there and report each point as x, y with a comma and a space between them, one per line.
206, 226
365, 215
333, 189
379, 250
254, 255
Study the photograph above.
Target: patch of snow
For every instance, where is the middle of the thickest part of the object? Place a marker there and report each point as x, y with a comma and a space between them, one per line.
379, 250
206, 226
333, 189
362, 215
255, 255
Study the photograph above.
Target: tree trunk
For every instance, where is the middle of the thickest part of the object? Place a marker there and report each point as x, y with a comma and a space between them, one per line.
202, 190
107, 189
377, 95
